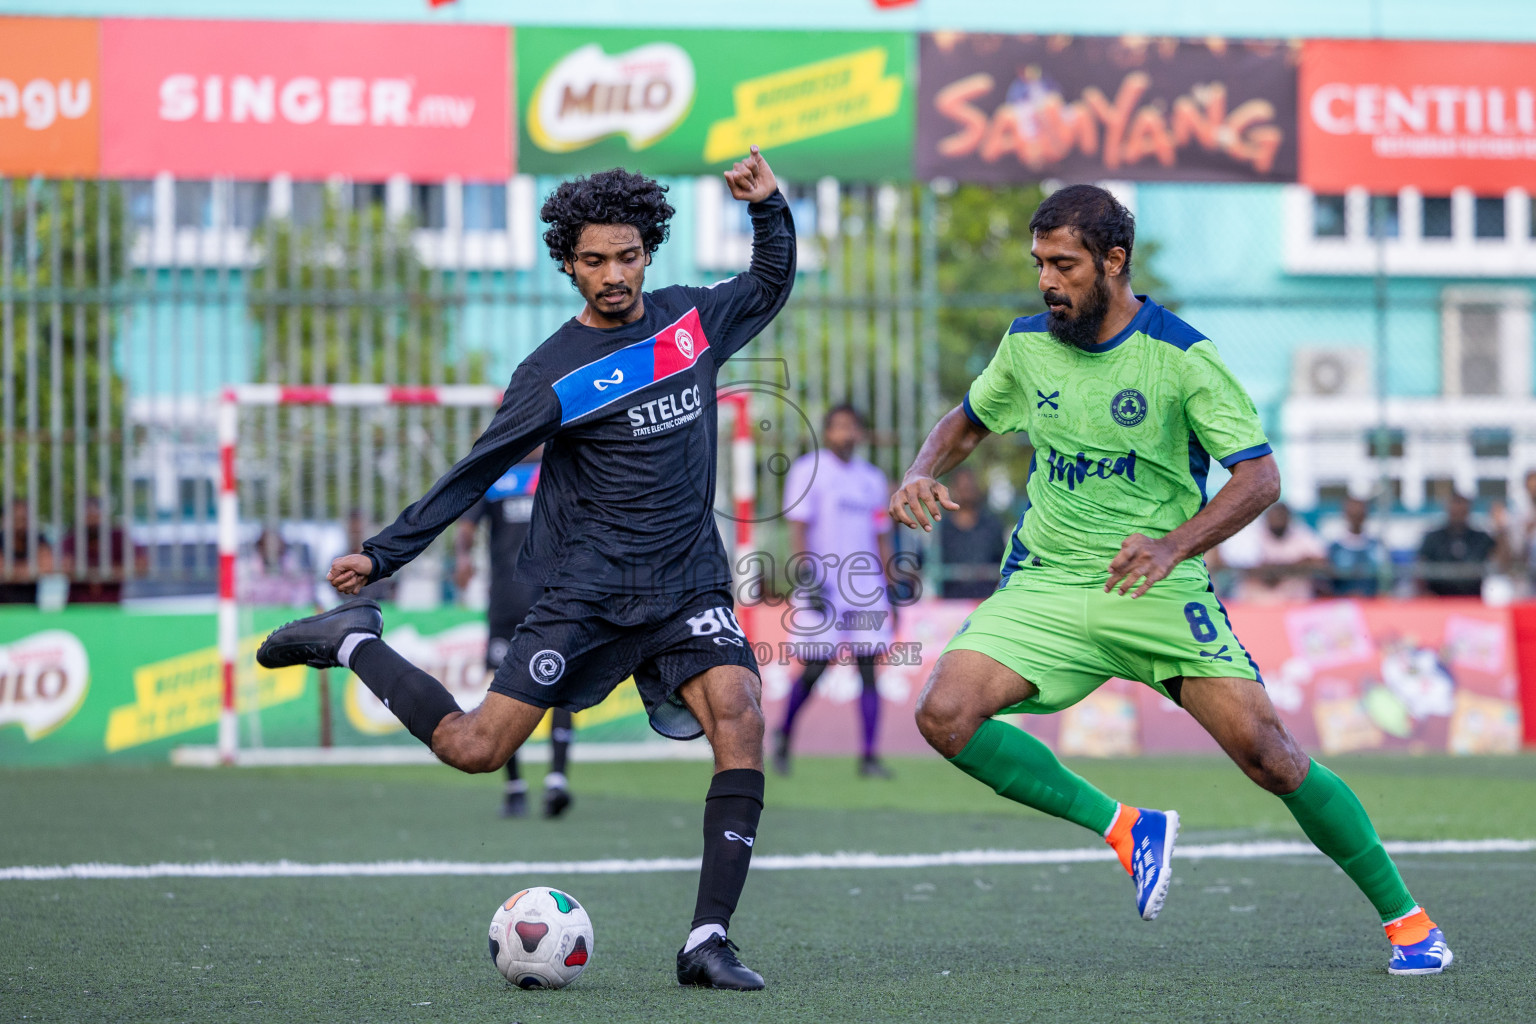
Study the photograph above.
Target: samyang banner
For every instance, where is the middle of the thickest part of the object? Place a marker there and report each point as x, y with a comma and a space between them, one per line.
1436, 116
994, 108
692, 101
254, 99
50, 96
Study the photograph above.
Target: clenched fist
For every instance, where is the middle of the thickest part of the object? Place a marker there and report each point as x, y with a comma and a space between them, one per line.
349, 573
752, 180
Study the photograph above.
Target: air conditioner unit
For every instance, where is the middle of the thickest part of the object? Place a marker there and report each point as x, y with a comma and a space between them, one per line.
1331, 372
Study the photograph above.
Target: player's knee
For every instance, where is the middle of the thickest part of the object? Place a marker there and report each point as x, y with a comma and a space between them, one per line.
735, 729
742, 720
1273, 760
475, 760
945, 719
466, 751
734, 707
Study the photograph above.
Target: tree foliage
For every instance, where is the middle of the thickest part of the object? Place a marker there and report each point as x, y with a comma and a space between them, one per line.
350, 300
61, 405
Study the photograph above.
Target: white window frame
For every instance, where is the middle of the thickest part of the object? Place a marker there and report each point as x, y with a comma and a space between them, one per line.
1327, 442
451, 247
1410, 254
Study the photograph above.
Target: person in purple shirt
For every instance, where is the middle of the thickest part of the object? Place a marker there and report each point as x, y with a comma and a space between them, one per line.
841, 560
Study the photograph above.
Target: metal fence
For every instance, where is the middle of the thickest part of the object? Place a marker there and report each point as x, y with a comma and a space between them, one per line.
122, 322
126, 306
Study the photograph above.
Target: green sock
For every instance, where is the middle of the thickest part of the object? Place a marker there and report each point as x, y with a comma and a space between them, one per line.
1021, 768
1331, 815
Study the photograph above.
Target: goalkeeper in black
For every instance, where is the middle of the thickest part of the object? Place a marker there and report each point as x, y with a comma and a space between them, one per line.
623, 542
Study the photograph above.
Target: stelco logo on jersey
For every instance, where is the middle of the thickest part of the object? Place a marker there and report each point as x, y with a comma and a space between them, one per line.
666, 411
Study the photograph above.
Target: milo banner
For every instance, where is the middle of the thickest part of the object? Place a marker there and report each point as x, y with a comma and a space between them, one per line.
692, 101
995, 108
101, 683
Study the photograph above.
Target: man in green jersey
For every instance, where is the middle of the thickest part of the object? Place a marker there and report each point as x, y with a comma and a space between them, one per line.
1126, 406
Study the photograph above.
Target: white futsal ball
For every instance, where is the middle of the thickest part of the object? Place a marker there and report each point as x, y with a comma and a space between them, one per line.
541, 938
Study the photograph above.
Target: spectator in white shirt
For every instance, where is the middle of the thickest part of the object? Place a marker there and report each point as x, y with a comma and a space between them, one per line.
1283, 561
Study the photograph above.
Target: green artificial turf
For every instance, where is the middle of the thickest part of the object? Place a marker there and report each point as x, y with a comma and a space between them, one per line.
1285, 939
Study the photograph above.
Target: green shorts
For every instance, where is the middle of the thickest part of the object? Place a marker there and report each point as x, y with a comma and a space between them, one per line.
1067, 636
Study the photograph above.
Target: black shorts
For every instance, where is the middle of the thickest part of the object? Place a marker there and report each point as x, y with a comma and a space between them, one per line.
576, 646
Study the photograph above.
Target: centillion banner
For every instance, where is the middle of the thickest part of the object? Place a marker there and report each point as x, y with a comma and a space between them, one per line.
1386, 115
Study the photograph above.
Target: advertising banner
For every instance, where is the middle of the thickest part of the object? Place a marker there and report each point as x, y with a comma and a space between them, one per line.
691, 102
98, 683
995, 108
1436, 116
253, 99
1346, 676
50, 96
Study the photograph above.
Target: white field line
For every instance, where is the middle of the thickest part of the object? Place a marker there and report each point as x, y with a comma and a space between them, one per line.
769, 862
415, 754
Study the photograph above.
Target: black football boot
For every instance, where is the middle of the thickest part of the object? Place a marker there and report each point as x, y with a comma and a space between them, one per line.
713, 964
316, 640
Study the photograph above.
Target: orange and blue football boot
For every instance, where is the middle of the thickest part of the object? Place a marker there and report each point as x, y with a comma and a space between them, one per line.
1418, 945
1144, 840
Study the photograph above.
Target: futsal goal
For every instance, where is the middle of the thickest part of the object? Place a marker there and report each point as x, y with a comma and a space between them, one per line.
307, 472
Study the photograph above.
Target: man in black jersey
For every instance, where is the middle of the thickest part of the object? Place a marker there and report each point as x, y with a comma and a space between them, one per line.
507, 509
623, 538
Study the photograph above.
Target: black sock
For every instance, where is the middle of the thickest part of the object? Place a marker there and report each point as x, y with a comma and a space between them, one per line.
731, 812
512, 775
418, 700
559, 740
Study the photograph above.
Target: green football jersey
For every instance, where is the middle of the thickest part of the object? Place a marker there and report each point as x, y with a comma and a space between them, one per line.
1123, 435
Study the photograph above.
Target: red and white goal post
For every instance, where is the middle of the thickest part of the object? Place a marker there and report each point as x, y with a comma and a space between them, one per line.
363, 396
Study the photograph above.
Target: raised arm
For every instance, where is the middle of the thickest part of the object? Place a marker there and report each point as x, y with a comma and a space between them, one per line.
743, 305
921, 497
1142, 561
529, 416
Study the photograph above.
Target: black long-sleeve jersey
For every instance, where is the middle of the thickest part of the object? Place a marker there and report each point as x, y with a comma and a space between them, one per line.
628, 417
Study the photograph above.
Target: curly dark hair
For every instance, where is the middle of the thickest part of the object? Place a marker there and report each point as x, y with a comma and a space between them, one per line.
608, 197
1095, 214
